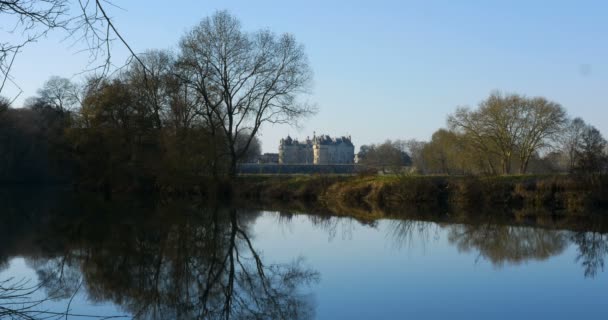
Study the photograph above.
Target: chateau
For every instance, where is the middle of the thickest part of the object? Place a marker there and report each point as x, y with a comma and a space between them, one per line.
318, 150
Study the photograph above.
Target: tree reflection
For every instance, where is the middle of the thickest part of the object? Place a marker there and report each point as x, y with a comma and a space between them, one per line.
592, 249
60, 276
179, 263
403, 232
183, 260
504, 244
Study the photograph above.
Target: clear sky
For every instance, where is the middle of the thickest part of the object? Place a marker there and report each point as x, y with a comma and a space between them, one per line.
390, 69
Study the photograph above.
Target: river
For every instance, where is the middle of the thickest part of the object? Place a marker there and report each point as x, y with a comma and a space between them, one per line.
185, 259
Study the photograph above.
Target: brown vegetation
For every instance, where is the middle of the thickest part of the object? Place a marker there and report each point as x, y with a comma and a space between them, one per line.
555, 194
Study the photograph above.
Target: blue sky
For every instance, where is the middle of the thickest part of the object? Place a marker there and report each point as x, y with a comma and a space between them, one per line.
389, 69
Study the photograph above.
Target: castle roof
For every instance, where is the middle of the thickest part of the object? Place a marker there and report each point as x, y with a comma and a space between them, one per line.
294, 142
327, 140
321, 140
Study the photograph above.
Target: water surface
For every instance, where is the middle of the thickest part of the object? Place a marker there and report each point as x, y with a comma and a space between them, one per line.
185, 259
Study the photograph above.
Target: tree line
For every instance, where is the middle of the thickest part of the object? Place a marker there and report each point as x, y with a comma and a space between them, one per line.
505, 134
165, 117
172, 117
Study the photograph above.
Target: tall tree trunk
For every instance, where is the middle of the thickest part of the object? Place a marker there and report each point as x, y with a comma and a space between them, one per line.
492, 168
233, 166
506, 165
523, 166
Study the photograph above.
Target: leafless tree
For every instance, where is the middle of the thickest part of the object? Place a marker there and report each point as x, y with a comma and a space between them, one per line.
591, 157
155, 84
493, 128
254, 150
58, 93
86, 22
244, 80
542, 123
389, 156
414, 149
509, 126
27, 21
572, 140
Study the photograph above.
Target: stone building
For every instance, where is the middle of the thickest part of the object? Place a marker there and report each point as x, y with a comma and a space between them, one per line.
318, 150
295, 152
329, 150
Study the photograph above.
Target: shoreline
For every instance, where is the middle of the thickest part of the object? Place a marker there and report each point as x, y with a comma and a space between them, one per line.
571, 195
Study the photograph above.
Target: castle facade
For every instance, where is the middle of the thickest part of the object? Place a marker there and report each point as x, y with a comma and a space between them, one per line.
318, 150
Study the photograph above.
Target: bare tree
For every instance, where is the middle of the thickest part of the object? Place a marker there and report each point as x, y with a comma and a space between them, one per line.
542, 123
591, 153
244, 80
493, 128
414, 149
85, 22
59, 93
153, 82
446, 154
572, 140
388, 156
27, 21
509, 126
254, 149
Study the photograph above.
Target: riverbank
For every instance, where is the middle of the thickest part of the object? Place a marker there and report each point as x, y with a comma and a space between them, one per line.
572, 194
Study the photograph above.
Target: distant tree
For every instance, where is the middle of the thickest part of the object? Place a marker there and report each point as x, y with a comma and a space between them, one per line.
155, 85
113, 106
4, 104
591, 153
542, 123
404, 147
555, 162
510, 126
442, 154
415, 150
572, 140
253, 152
58, 93
365, 153
243, 80
387, 156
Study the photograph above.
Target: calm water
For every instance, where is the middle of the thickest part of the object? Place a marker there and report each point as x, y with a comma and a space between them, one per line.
186, 260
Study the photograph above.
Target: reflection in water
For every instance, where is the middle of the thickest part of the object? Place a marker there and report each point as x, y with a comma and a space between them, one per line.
592, 249
185, 260
411, 233
335, 226
60, 277
178, 261
508, 244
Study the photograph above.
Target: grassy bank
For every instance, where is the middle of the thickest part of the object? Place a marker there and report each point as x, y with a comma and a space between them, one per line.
572, 194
